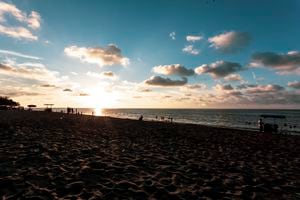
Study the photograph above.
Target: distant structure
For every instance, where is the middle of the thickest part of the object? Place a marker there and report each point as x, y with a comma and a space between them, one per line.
30, 106
48, 107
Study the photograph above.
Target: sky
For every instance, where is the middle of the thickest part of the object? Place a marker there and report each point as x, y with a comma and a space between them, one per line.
151, 54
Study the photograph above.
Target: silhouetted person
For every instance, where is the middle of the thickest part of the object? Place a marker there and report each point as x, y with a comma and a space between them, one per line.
261, 125
141, 118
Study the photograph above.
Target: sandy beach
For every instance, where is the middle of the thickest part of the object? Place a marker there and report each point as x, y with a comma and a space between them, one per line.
54, 155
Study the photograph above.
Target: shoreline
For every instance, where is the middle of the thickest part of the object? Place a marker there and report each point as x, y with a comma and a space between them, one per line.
55, 155
148, 120
287, 132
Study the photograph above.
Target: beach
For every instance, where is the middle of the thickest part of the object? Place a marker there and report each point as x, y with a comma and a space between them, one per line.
55, 155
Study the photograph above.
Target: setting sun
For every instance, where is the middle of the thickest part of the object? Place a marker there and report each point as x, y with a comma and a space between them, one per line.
98, 98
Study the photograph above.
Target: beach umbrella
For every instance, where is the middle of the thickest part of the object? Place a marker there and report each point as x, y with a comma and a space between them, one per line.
31, 106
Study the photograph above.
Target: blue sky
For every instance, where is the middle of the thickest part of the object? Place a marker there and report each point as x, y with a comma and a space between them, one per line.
111, 49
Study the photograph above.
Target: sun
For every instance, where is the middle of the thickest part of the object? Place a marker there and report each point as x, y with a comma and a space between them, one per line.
99, 99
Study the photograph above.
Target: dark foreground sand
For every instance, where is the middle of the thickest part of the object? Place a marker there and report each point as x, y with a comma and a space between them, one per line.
53, 155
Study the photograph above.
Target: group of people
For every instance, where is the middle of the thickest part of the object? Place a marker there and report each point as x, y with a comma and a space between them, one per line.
266, 127
72, 111
162, 118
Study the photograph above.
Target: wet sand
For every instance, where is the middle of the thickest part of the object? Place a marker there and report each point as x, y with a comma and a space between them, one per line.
54, 155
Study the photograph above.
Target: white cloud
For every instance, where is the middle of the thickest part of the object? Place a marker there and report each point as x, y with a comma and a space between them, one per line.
110, 55
32, 21
233, 77
172, 35
6, 8
175, 69
17, 32
193, 38
190, 50
13, 53
230, 42
31, 64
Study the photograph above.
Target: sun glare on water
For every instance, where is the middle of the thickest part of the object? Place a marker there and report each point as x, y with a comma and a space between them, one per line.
98, 111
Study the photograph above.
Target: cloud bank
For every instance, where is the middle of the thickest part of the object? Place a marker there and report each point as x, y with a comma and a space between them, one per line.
283, 63
29, 72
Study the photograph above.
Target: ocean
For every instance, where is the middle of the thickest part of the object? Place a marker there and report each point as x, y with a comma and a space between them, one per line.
233, 118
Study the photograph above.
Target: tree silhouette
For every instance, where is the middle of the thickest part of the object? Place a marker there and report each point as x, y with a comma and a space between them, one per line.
5, 101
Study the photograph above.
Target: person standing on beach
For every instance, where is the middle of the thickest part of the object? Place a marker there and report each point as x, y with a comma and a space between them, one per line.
261, 125
141, 118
